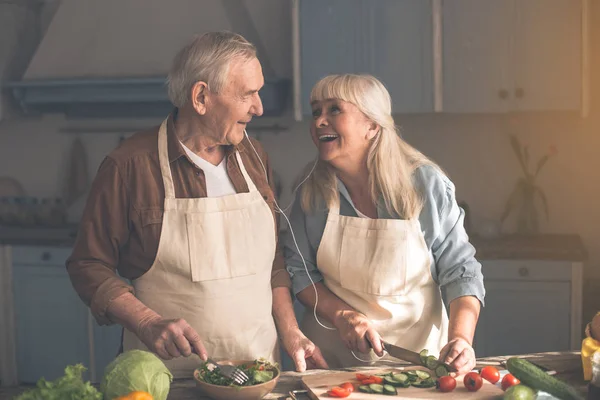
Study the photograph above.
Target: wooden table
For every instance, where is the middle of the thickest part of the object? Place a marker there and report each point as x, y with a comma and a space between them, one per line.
566, 364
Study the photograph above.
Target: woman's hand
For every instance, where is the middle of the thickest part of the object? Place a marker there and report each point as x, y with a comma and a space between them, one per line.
357, 332
302, 351
459, 354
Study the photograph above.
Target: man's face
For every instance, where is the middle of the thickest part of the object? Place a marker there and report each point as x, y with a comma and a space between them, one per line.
229, 111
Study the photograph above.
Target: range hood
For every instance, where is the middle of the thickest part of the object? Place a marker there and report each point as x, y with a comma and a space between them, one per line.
110, 58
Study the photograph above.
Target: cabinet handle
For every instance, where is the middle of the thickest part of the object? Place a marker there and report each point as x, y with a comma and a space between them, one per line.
519, 93
503, 94
523, 271
46, 256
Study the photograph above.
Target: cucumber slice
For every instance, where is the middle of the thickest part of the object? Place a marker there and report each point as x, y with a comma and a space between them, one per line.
389, 390
364, 389
441, 370
431, 362
401, 377
423, 354
376, 388
425, 383
423, 375
388, 380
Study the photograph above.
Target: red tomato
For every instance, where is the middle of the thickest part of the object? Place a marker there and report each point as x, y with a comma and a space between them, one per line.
490, 374
377, 379
509, 380
473, 381
367, 381
446, 384
362, 377
337, 391
348, 386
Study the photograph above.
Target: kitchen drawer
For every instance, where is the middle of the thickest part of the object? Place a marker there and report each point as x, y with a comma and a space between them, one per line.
526, 270
40, 255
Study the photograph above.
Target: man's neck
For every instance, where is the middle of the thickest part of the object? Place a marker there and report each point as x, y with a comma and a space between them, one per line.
189, 132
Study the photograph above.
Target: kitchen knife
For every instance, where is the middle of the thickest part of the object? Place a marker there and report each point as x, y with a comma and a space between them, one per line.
406, 355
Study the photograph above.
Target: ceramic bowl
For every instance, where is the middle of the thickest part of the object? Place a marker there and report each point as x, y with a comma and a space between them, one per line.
254, 392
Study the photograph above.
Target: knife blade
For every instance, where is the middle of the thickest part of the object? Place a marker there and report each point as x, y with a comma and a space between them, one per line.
407, 355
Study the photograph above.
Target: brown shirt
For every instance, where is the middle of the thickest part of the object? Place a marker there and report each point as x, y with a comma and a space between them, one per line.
121, 224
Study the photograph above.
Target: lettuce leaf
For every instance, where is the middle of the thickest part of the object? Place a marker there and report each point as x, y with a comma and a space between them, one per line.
68, 387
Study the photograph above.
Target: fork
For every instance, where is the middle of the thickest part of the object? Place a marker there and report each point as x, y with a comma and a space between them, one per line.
230, 371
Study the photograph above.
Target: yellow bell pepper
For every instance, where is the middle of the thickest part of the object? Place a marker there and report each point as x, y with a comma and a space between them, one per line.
589, 346
137, 395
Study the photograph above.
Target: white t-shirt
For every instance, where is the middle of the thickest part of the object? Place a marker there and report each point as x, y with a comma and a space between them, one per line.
218, 183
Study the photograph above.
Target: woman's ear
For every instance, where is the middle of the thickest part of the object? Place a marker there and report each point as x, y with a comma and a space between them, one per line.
199, 95
373, 130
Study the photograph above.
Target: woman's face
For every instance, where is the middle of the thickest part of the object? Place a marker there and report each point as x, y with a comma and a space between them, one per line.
341, 132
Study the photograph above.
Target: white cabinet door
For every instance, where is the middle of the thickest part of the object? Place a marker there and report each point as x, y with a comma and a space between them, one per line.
522, 317
51, 320
548, 55
477, 67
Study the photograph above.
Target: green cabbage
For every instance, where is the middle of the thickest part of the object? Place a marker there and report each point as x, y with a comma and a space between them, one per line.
136, 370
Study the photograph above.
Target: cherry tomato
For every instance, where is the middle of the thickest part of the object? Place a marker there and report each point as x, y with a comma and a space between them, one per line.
473, 381
337, 391
367, 381
508, 381
362, 377
377, 379
490, 374
348, 386
446, 384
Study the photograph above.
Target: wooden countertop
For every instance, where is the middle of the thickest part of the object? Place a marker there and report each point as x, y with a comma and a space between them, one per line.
566, 364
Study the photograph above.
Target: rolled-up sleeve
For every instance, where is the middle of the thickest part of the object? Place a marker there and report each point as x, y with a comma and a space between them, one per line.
456, 269
301, 243
103, 230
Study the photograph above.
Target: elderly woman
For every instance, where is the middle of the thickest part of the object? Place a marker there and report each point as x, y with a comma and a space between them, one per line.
377, 229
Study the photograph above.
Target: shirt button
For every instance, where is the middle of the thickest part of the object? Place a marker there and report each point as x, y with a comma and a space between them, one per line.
265, 197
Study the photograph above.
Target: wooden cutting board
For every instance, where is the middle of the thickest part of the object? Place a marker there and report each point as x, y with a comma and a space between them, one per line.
318, 385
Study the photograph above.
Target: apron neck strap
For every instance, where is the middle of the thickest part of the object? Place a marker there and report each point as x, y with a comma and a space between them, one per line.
251, 185
163, 159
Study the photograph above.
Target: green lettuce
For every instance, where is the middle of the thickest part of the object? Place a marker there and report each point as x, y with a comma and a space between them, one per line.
136, 370
68, 387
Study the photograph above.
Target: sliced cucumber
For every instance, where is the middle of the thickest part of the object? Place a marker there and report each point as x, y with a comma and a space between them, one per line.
388, 380
365, 389
423, 354
376, 388
389, 390
401, 377
423, 375
425, 383
431, 362
441, 370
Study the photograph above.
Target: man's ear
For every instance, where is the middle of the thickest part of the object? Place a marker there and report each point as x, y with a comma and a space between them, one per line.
373, 130
199, 94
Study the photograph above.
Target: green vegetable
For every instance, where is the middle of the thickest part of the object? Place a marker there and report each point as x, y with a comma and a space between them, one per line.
519, 392
136, 370
259, 371
70, 386
532, 376
365, 389
389, 390
376, 388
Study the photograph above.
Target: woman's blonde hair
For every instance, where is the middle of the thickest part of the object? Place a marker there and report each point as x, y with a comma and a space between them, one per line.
390, 160
205, 58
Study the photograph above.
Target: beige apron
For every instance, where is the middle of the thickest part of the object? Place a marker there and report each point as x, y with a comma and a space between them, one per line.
380, 267
213, 269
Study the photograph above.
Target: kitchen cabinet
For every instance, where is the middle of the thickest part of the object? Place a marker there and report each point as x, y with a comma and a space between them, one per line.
512, 55
390, 39
531, 306
53, 326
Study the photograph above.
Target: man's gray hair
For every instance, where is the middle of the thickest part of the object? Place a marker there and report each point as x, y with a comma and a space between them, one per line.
205, 58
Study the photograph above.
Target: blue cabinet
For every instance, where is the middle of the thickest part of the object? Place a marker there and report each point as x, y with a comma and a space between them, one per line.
53, 326
51, 321
390, 39
511, 55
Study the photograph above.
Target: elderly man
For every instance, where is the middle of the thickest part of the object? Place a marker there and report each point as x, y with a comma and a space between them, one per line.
185, 211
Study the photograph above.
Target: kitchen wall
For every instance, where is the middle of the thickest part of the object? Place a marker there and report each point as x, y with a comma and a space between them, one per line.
472, 149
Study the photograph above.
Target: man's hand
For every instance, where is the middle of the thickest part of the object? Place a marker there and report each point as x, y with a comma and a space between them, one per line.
357, 332
459, 354
170, 338
302, 351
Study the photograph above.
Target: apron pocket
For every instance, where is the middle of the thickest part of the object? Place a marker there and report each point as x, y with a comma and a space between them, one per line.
219, 245
373, 261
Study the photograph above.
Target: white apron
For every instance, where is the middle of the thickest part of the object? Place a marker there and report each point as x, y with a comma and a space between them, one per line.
213, 269
381, 268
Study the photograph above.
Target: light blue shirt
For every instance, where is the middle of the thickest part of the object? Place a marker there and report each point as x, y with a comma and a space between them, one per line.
453, 264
